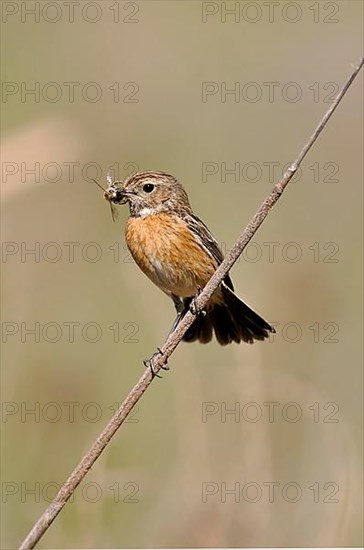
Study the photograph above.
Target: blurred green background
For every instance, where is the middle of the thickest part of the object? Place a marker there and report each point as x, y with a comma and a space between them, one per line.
164, 480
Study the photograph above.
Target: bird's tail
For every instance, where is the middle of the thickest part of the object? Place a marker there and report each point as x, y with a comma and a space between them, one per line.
231, 321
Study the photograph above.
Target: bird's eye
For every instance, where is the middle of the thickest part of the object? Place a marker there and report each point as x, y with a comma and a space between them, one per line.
148, 187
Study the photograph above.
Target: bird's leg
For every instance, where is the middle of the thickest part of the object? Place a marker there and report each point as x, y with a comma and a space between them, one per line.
178, 304
194, 309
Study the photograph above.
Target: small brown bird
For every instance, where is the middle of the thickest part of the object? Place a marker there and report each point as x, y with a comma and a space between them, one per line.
176, 250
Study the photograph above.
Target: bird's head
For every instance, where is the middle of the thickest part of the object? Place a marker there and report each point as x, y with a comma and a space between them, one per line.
149, 193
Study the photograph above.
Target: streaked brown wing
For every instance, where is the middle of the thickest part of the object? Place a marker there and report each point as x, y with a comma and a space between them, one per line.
207, 241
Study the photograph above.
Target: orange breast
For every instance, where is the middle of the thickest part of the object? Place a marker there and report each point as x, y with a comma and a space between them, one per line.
168, 253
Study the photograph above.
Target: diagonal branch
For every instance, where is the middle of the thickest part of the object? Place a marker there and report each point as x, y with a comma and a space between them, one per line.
159, 360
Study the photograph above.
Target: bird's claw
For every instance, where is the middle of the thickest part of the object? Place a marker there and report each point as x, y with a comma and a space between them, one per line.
195, 310
148, 363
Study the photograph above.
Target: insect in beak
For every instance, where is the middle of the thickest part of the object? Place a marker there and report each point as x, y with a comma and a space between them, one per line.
112, 195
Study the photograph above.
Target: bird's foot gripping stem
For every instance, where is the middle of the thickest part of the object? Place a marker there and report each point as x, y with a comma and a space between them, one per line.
148, 363
194, 308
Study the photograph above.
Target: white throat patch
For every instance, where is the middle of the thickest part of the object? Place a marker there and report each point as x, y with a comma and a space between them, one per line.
144, 212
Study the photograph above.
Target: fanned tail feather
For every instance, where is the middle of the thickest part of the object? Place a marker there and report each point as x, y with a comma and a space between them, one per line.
231, 321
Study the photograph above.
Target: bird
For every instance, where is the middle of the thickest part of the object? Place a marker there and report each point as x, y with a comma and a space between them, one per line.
179, 254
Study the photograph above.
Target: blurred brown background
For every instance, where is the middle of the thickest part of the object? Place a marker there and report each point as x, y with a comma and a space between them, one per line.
167, 477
